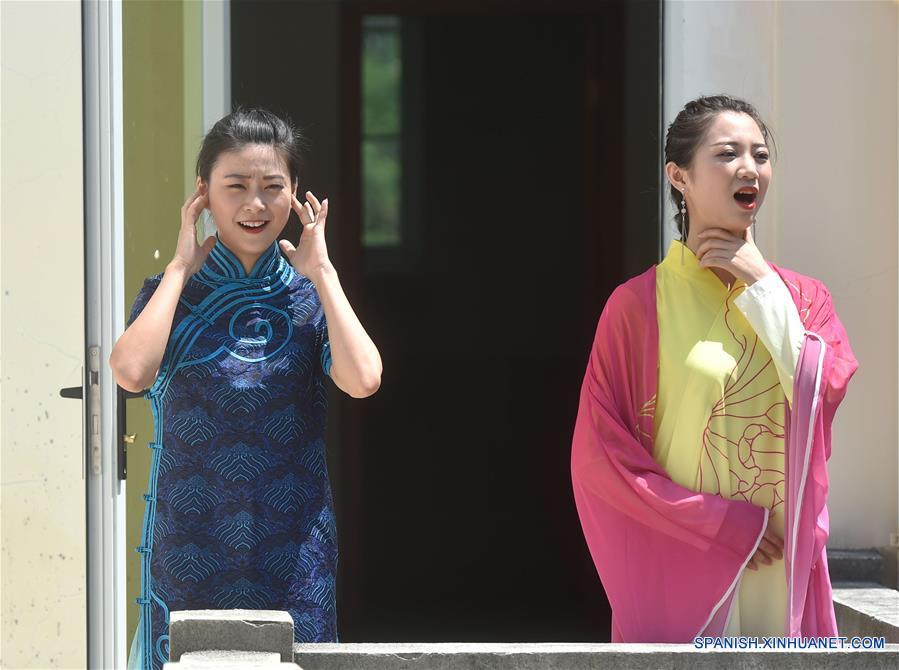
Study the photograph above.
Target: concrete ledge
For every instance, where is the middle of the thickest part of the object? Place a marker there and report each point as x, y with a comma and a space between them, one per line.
867, 611
230, 660
238, 630
579, 657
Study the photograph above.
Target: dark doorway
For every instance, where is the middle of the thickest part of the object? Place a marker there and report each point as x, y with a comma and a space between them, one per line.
527, 189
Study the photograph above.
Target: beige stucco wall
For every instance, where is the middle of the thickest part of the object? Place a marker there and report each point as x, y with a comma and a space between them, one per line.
824, 75
837, 120
42, 495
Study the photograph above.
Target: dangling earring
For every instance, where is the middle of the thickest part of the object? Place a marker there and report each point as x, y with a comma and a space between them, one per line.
685, 231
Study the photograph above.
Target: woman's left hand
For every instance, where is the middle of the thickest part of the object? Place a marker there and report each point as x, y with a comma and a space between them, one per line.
310, 256
355, 362
737, 255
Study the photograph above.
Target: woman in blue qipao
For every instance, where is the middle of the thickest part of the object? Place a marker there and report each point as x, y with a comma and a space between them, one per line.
232, 344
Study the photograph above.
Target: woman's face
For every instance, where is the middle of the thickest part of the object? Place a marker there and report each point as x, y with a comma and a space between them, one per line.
728, 179
250, 196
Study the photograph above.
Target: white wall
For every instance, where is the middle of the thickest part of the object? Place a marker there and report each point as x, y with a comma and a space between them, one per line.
721, 47
824, 76
42, 564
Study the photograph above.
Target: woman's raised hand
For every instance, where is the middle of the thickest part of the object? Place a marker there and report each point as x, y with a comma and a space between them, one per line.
310, 256
189, 254
720, 248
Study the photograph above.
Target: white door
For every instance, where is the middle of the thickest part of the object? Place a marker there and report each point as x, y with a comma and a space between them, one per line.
43, 562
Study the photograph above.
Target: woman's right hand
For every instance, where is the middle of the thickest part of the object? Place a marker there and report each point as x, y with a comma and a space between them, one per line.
771, 548
189, 254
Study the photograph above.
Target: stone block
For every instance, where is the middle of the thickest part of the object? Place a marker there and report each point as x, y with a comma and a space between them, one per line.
231, 630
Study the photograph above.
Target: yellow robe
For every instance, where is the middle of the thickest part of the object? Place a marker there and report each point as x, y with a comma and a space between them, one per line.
719, 418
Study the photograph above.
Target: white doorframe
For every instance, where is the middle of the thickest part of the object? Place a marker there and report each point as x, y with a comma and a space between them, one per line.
104, 296
216, 61
216, 73
104, 319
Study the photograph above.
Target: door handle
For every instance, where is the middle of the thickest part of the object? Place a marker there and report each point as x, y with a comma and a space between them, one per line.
93, 426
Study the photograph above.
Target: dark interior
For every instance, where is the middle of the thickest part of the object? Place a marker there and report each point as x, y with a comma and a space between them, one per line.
530, 190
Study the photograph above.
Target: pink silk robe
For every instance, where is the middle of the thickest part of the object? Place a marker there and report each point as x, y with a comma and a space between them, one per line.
669, 558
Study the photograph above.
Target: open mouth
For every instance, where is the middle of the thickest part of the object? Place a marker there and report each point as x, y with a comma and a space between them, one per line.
746, 197
253, 226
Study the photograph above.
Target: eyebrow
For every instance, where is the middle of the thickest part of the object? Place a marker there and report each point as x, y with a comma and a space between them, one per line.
735, 142
234, 175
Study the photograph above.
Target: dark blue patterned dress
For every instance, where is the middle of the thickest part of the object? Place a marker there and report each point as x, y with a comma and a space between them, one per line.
239, 511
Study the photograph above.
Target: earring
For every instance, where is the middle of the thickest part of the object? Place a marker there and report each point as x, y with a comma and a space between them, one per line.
208, 227
683, 214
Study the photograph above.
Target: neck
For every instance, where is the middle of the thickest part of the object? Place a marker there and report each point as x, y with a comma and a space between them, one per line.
247, 259
692, 243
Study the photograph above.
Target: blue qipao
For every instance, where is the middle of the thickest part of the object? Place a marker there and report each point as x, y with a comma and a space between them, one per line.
239, 512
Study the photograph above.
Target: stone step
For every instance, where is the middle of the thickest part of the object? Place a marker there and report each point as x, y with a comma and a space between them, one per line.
868, 609
855, 565
580, 657
230, 660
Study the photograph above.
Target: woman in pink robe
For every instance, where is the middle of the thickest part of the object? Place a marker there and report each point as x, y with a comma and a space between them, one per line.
670, 558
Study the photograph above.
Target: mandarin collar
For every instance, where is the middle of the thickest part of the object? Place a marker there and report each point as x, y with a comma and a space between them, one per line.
222, 263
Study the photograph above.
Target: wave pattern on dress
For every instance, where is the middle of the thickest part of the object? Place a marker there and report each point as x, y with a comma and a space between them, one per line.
242, 531
194, 426
288, 494
244, 594
191, 563
240, 462
193, 496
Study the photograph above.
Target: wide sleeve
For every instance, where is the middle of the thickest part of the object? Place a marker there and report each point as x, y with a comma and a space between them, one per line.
770, 310
840, 362
143, 297
816, 309
826, 364
669, 558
